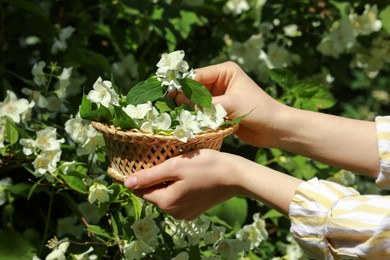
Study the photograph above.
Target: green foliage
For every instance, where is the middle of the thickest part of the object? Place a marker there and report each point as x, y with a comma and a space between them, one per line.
144, 91
123, 40
196, 92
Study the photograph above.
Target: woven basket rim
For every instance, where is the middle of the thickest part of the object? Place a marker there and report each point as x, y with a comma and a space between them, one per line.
123, 135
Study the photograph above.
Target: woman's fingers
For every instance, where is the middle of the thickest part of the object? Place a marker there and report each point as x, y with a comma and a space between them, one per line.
217, 77
158, 175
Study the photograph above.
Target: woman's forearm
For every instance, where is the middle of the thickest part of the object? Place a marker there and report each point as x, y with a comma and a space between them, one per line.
342, 142
261, 183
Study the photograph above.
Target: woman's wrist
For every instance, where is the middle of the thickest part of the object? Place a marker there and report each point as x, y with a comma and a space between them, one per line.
261, 183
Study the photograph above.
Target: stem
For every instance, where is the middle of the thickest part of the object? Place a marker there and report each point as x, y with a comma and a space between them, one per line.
48, 218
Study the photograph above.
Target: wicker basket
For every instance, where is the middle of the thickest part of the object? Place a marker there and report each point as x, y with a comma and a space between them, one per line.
130, 151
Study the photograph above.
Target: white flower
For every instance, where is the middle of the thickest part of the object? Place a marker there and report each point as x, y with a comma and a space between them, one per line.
172, 62
79, 129
146, 230
182, 134
237, 6
136, 250
191, 74
212, 117
292, 30
85, 255
94, 140
46, 161
99, 192
35, 96
59, 249
103, 93
254, 232
37, 71
64, 82
366, 23
188, 126
28, 146
188, 122
60, 42
139, 111
4, 183
47, 139
12, 107
161, 122
26, 115
172, 67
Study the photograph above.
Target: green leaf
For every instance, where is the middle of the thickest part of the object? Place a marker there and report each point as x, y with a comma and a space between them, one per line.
74, 181
21, 189
282, 77
237, 119
196, 92
385, 18
232, 211
114, 226
122, 120
90, 111
14, 246
144, 91
11, 132
137, 206
309, 95
187, 20
272, 214
165, 104
97, 230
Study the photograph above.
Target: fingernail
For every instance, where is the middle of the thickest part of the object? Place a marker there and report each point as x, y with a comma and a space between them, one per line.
131, 182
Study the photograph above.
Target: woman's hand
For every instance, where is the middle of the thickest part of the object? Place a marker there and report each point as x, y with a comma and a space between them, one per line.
188, 185
341, 142
241, 96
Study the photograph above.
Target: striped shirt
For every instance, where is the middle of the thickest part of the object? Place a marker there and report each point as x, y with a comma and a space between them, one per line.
331, 221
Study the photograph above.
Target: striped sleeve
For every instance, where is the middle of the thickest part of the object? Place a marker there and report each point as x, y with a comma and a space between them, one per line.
330, 221
383, 138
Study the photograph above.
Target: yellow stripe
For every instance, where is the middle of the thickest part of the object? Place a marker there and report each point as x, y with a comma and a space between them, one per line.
302, 203
360, 199
383, 135
346, 223
361, 209
335, 189
384, 156
304, 220
382, 120
314, 196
